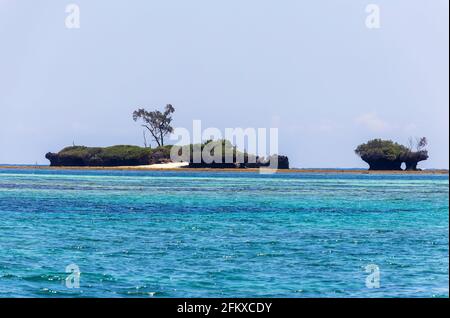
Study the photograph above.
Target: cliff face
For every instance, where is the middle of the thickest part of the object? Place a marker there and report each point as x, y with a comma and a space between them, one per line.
283, 163
383, 164
411, 159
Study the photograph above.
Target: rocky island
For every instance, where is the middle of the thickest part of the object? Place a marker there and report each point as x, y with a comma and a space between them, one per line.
210, 154
388, 155
125, 155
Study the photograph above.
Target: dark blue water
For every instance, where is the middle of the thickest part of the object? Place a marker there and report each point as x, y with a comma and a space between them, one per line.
189, 234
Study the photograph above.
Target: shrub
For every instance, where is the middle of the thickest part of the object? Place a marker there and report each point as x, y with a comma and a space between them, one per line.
121, 155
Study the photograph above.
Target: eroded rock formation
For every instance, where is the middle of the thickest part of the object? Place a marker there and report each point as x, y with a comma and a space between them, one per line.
412, 158
388, 155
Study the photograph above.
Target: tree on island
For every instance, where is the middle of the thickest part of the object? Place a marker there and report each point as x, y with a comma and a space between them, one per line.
156, 122
388, 155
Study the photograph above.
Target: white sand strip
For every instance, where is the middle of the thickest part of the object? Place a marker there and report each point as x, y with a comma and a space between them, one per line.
170, 165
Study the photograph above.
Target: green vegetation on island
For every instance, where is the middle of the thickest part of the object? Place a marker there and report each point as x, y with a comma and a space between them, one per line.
222, 154
122, 155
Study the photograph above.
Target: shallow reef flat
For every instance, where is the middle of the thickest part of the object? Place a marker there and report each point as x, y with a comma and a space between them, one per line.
257, 170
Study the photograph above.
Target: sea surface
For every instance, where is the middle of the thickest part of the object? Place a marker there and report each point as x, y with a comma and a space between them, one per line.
222, 234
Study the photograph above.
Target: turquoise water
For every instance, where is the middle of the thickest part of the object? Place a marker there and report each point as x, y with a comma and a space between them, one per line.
189, 234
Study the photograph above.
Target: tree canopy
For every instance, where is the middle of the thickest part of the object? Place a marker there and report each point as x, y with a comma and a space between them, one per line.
381, 149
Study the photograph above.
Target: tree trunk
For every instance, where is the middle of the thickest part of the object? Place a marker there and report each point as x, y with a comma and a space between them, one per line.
154, 136
162, 138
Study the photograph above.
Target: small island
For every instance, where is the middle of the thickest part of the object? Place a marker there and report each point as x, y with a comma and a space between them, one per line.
129, 156
221, 154
388, 155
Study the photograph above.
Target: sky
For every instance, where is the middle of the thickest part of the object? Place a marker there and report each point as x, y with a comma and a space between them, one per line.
313, 69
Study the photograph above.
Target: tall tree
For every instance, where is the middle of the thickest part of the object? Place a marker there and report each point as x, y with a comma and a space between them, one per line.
156, 122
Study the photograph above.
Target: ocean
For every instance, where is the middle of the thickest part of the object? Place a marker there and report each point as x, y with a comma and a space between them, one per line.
222, 234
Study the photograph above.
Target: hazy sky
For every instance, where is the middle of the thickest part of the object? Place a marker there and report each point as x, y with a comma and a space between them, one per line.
311, 68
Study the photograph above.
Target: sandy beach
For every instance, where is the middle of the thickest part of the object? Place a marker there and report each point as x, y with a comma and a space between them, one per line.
160, 166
